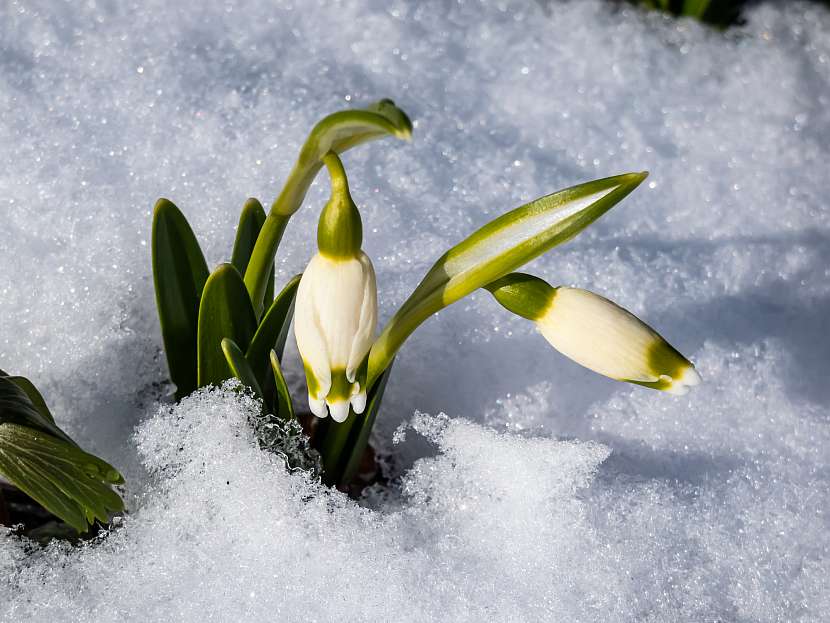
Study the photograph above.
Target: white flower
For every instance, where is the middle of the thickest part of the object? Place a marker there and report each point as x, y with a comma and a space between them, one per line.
607, 339
334, 322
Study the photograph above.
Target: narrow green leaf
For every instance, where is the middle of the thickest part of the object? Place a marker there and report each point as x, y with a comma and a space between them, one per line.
273, 330
337, 132
65, 480
34, 395
239, 365
496, 249
250, 223
18, 407
284, 406
225, 311
179, 275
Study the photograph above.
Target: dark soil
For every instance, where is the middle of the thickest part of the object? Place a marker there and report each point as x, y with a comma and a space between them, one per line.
28, 518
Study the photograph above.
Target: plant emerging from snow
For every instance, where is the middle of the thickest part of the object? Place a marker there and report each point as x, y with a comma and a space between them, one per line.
228, 323
41, 460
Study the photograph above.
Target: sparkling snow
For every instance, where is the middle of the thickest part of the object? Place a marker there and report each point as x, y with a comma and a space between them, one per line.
547, 493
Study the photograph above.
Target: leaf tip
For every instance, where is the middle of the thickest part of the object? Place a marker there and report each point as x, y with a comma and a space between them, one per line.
163, 204
253, 204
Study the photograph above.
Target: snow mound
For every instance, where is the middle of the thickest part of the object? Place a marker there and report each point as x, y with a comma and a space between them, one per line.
492, 526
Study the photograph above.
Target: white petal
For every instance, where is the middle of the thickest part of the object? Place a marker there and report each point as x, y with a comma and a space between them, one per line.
318, 407
310, 338
359, 402
338, 296
368, 319
687, 379
339, 410
607, 339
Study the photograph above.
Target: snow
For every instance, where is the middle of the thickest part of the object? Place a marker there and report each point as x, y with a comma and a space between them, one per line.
548, 493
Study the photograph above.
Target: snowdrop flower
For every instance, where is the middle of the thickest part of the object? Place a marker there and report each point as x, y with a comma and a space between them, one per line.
597, 333
335, 314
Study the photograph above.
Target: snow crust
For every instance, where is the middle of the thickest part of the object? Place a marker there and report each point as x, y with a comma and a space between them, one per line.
548, 493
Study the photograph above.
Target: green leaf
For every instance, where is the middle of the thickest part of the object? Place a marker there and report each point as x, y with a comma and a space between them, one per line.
34, 395
239, 365
225, 311
179, 275
273, 330
18, 407
250, 223
337, 132
500, 247
695, 8
284, 406
65, 480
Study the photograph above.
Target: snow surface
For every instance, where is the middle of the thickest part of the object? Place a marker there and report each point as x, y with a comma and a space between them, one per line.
549, 493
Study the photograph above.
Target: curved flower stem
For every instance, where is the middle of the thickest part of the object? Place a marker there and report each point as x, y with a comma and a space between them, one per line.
336, 132
335, 448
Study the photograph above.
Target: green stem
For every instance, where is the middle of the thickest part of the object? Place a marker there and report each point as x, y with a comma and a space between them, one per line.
262, 259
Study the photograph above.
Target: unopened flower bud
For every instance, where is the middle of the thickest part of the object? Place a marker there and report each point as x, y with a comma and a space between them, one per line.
597, 333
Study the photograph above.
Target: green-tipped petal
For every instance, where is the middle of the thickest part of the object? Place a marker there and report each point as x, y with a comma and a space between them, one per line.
605, 338
597, 333
239, 365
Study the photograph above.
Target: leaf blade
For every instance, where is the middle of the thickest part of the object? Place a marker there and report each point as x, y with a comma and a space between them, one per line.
179, 276
65, 480
499, 247
272, 331
284, 405
239, 365
18, 407
225, 312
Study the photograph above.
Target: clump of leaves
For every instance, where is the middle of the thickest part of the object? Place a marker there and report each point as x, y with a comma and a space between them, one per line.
38, 458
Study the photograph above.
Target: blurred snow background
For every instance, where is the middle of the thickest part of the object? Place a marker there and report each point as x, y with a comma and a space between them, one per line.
550, 493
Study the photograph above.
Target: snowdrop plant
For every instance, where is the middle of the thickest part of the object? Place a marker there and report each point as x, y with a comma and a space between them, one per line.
229, 324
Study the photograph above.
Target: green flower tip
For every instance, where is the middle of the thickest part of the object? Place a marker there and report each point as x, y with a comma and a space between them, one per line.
397, 117
523, 294
340, 230
597, 333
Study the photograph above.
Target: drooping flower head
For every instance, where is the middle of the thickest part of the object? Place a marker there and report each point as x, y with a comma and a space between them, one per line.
335, 313
597, 333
